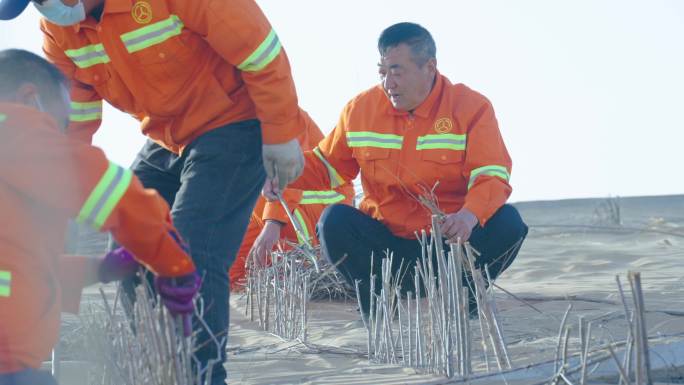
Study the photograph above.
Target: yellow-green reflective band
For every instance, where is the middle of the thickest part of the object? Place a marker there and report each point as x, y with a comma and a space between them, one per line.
3, 117
373, 139
441, 141
335, 178
152, 34
84, 112
105, 196
263, 55
302, 225
88, 56
5, 283
325, 197
492, 170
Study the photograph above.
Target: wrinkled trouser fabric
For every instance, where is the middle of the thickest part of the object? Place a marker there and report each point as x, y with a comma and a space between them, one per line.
212, 189
346, 230
27, 377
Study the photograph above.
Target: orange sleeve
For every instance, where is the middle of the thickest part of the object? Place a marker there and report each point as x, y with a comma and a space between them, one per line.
348, 191
77, 178
331, 163
275, 211
85, 115
240, 33
487, 165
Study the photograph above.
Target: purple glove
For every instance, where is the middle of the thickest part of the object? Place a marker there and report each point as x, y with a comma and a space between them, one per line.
177, 295
117, 265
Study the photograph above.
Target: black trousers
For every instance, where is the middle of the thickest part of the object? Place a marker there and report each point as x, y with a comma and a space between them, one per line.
344, 230
212, 189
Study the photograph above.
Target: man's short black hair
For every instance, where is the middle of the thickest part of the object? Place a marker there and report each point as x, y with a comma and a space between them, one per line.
415, 36
18, 67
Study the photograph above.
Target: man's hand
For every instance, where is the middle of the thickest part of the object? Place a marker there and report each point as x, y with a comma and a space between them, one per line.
118, 264
270, 191
283, 162
265, 242
458, 225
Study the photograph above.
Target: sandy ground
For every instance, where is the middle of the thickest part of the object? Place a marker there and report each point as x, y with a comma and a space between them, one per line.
556, 266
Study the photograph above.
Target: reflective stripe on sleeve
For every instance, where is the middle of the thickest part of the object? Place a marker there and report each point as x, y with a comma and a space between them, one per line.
85, 112
491, 170
5, 283
326, 197
335, 178
302, 224
105, 196
263, 55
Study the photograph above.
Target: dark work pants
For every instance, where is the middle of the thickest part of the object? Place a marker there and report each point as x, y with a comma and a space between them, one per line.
212, 189
345, 230
27, 377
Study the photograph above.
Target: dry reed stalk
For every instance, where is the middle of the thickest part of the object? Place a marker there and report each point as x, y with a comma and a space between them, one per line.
560, 338
643, 365
401, 323
627, 360
624, 377
466, 330
410, 328
480, 307
585, 352
493, 311
419, 325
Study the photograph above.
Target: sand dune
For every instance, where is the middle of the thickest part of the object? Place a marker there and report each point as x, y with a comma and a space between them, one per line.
554, 263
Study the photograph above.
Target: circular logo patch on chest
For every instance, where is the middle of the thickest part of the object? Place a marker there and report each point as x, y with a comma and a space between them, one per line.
142, 12
443, 125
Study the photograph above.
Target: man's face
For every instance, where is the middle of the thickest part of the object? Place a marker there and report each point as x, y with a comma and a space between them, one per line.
406, 84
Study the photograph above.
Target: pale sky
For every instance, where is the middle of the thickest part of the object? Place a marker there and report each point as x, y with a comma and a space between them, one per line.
589, 94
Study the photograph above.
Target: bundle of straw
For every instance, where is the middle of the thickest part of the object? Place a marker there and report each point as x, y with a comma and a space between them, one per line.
435, 336
277, 296
146, 347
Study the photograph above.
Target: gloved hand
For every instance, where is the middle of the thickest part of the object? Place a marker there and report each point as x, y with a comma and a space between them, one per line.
283, 161
117, 265
177, 295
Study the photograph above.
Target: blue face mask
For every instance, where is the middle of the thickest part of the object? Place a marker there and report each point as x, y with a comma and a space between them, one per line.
61, 14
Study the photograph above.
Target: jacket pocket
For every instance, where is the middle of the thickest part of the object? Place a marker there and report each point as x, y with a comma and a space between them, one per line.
374, 161
442, 165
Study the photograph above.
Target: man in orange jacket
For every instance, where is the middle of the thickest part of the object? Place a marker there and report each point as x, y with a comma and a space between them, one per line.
45, 179
211, 86
414, 132
270, 222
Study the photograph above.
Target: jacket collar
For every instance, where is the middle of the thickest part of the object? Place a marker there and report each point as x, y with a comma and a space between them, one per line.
111, 6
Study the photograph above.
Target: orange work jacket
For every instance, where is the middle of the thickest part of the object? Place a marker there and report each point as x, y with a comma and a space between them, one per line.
45, 179
450, 142
180, 67
306, 207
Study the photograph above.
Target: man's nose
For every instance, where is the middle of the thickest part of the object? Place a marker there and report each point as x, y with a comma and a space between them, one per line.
388, 83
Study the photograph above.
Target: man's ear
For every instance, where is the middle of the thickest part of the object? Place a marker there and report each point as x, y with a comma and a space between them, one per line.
27, 94
432, 65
